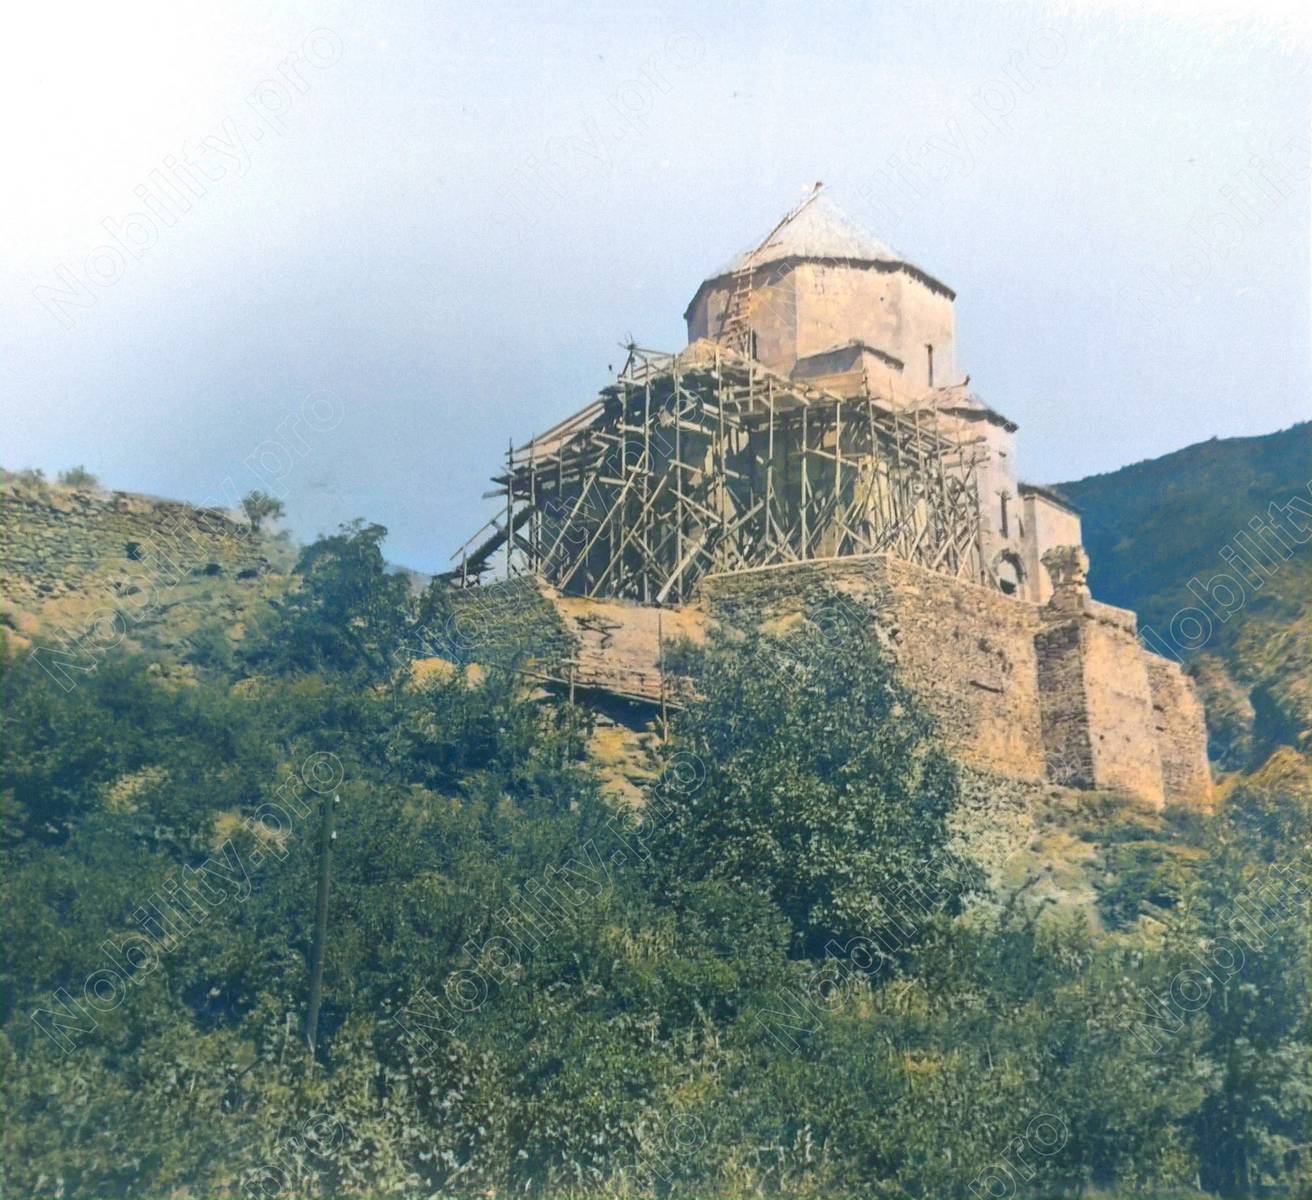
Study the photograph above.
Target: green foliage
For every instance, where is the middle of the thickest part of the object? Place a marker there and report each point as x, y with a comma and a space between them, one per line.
349, 615
77, 477
210, 647
1141, 876
71, 755
824, 788
260, 507
1253, 911
624, 1038
1148, 859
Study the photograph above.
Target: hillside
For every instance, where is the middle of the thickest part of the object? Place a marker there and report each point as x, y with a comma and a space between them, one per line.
1153, 526
174, 582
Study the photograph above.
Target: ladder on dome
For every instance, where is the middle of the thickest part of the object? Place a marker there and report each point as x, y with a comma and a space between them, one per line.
735, 322
735, 327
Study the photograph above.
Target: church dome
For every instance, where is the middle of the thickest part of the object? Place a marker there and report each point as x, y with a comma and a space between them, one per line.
818, 284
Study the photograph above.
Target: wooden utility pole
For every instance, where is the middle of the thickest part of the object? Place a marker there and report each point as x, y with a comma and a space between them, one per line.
327, 836
510, 503
660, 663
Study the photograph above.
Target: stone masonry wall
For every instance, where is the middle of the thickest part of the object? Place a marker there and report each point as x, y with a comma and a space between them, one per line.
84, 572
1120, 707
57, 542
1066, 743
1181, 731
966, 652
1062, 692
745, 599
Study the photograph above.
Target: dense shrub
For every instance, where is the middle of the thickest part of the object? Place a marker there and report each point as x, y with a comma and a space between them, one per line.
824, 789
78, 477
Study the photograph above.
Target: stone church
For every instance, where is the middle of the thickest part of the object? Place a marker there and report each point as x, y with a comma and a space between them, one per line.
834, 306
818, 432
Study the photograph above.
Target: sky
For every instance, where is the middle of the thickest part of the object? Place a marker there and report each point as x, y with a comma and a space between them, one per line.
345, 253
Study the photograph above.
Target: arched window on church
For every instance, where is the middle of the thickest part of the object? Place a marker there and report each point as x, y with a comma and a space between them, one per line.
1011, 575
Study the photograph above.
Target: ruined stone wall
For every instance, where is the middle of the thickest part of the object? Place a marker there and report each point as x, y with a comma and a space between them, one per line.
968, 652
1062, 692
85, 571
616, 647
1065, 724
1119, 705
58, 541
503, 623
1181, 731
621, 646
748, 599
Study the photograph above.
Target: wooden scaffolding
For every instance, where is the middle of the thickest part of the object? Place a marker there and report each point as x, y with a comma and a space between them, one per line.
707, 462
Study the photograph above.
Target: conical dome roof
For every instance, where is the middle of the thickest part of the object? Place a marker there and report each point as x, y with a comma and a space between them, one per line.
819, 229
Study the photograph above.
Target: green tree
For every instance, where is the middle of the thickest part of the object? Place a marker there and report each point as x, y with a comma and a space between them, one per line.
77, 477
348, 615
260, 507
1250, 924
210, 647
823, 787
